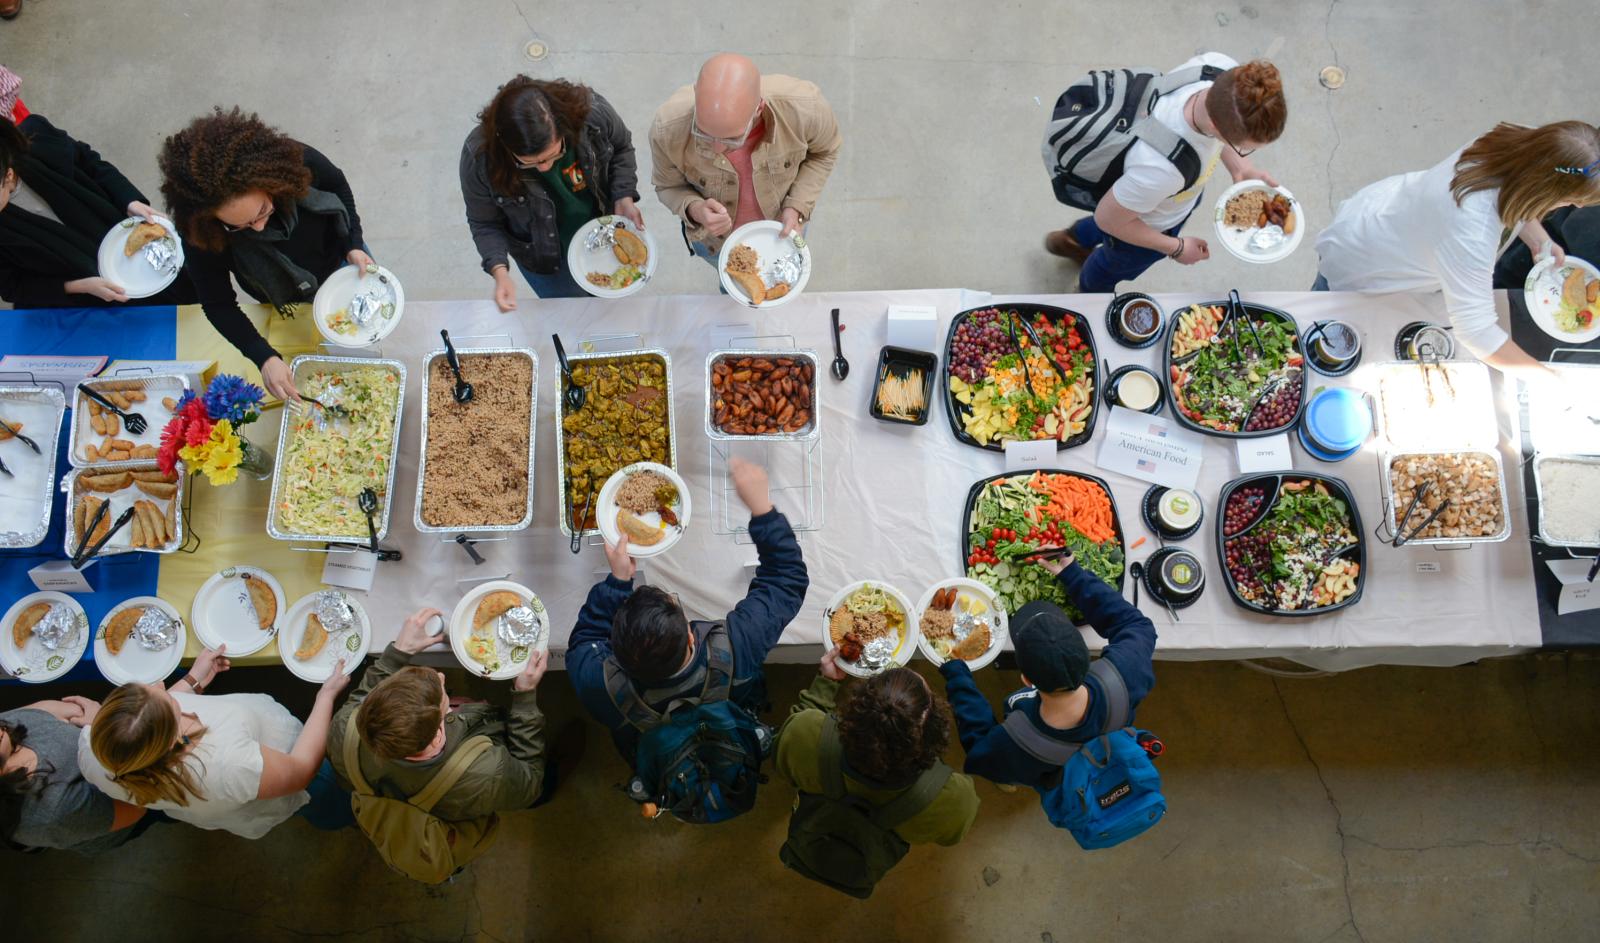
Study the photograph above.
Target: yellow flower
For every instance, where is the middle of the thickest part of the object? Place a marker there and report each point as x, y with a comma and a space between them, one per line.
219, 456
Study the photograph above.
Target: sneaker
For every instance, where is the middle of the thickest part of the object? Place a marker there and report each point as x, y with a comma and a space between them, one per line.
1062, 243
9, 9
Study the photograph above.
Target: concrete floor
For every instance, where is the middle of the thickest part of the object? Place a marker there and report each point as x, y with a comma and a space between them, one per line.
1388, 804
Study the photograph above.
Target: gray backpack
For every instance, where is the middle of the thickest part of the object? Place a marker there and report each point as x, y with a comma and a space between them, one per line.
1098, 119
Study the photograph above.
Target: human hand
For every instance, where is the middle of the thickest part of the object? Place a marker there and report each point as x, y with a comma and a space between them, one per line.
626, 207
532, 674
622, 565
103, 288
1194, 250
360, 260
1055, 564
790, 218
829, 666
750, 480
85, 710
1249, 171
279, 382
142, 209
505, 291
1552, 249
713, 216
336, 682
209, 664
414, 635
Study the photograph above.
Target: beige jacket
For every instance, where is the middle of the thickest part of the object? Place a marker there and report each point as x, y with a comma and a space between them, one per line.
792, 162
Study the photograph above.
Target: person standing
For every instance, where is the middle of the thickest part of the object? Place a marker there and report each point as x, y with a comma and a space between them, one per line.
1227, 113
44, 800
738, 146
546, 158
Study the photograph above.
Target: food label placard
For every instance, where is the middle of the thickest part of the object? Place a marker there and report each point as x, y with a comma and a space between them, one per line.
59, 575
1027, 456
352, 570
1151, 449
1270, 453
1577, 593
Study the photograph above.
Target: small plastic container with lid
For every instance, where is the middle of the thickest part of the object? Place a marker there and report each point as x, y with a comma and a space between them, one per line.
1336, 424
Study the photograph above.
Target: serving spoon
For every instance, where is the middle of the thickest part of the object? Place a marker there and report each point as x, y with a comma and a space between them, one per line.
840, 366
463, 391
368, 502
574, 395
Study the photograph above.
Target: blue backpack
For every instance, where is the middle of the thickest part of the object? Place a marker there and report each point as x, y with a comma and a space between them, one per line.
699, 759
1109, 789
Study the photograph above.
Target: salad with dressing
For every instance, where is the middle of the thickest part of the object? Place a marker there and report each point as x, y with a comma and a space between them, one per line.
328, 460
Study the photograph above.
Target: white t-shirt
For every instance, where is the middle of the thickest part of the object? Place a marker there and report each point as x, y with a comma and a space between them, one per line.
1149, 183
1406, 233
226, 763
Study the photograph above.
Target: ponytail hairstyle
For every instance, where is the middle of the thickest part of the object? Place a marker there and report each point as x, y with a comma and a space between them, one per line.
1535, 169
135, 736
525, 117
13, 144
1246, 103
892, 726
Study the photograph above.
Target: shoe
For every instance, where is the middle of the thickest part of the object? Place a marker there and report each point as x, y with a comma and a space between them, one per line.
1062, 243
9, 9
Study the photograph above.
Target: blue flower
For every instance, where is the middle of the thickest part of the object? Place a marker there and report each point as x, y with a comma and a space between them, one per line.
231, 398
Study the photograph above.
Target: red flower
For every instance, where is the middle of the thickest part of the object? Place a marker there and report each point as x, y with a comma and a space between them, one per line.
171, 441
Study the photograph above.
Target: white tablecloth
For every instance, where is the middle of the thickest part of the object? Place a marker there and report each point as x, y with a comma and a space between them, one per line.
891, 496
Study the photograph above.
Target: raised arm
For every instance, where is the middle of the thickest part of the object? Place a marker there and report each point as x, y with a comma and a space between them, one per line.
284, 774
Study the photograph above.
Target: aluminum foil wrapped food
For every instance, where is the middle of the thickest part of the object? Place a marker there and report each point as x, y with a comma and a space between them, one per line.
877, 654
519, 627
1267, 238
785, 268
366, 306
161, 257
334, 612
601, 237
966, 623
156, 631
58, 629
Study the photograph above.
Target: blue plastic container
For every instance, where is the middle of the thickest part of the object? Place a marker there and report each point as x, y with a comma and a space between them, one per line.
1336, 424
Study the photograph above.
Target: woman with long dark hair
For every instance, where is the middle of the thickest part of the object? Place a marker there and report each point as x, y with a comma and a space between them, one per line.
545, 158
44, 800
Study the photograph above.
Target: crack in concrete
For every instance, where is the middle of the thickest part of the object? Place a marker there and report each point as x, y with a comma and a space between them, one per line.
1338, 814
1327, 101
518, 6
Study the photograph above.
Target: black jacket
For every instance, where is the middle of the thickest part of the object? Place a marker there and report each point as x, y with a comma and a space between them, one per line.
1577, 230
523, 225
38, 256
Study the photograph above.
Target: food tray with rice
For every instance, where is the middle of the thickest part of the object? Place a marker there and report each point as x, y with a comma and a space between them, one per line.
1291, 544
157, 524
1003, 387
871, 623
324, 460
476, 467
27, 495
1566, 486
1234, 377
756, 394
1259, 223
626, 418
99, 437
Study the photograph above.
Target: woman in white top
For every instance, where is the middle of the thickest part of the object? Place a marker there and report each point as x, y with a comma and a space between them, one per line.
1442, 229
236, 762
1138, 221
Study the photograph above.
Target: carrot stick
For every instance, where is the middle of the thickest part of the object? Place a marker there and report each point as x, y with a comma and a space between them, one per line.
1136, 544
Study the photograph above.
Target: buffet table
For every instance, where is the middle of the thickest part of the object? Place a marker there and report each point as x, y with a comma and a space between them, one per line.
886, 500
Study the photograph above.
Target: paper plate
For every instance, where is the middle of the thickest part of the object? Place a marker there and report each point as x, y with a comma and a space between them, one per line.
908, 637
766, 237
1542, 292
136, 276
351, 645
606, 509
221, 612
1237, 241
581, 261
969, 591
33, 662
135, 663
334, 296
512, 660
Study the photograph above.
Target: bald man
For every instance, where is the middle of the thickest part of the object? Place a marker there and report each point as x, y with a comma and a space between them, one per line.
739, 146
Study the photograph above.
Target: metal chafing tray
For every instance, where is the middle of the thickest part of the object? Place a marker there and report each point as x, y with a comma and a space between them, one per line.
15, 402
656, 353
154, 386
436, 356
1392, 509
1539, 461
808, 431
121, 500
298, 369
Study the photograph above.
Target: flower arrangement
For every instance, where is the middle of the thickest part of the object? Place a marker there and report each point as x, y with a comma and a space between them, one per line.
203, 431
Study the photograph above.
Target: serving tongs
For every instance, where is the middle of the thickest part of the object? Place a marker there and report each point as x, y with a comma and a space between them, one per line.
87, 552
1060, 375
1235, 313
1022, 355
19, 436
577, 525
1400, 536
134, 421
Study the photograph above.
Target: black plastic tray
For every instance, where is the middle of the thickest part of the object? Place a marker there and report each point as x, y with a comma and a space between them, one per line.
905, 358
954, 410
1251, 310
1271, 481
978, 486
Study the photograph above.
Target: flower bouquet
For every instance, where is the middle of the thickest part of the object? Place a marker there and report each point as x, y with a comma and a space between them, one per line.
204, 432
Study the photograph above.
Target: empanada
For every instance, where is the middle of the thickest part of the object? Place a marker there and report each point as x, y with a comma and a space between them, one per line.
751, 284
840, 624
312, 641
637, 530
5, 433
22, 629
493, 606
262, 597
120, 627
630, 249
108, 482
974, 645
157, 489
142, 235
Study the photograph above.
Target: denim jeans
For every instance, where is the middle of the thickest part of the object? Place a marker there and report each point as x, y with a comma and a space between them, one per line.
703, 251
329, 808
1112, 260
557, 284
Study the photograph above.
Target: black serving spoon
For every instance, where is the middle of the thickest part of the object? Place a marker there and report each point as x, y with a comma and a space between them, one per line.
17, 435
574, 395
463, 388
87, 554
840, 366
1136, 570
134, 421
368, 502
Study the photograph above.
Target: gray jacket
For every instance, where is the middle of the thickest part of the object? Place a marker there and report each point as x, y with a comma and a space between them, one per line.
523, 226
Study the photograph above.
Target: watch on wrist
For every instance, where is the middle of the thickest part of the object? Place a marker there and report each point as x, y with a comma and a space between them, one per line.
194, 683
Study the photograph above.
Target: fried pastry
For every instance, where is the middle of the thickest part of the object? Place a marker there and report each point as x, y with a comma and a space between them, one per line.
777, 291
750, 283
5, 433
157, 489
142, 235
630, 249
637, 530
120, 627
108, 482
840, 625
974, 645
493, 606
262, 597
22, 629
312, 641
1572, 289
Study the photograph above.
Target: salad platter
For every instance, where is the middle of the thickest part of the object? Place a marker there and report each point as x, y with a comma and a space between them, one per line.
1237, 376
1021, 373
1010, 516
1291, 544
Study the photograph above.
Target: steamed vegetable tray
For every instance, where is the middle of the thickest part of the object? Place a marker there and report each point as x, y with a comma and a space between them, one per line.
1291, 544
988, 376
1222, 382
1011, 516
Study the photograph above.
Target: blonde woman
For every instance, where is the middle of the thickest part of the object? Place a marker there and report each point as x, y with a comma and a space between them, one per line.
236, 762
1442, 229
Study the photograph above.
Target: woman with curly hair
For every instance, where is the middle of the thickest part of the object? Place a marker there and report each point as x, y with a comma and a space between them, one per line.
545, 158
271, 211
44, 801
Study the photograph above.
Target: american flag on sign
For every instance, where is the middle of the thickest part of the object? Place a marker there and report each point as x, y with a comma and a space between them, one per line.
1159, 431
1145, 465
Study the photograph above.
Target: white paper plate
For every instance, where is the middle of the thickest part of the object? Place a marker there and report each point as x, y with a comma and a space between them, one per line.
606, 509
221, 614
512, 660
35, 663
1542, 292
909, 638
996, 617
351, 646
1237, 241
136, 276
135, 663
766, 237
335, 294
581, 261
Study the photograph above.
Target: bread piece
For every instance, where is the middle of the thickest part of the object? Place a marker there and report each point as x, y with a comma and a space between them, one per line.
8, 433
22, 629
262, 597
312, 641
751, 284
630, 249
120, 627
170, 404
493, 606
974, 645
637, 530
142, 235
145, 451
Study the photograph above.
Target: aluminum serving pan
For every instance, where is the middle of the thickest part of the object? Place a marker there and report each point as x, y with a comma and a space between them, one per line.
1539, 461
436, 356
1464, 422
1392, 511
120, 501
806, 432
154, 386
655, 353
27, 496
299, 368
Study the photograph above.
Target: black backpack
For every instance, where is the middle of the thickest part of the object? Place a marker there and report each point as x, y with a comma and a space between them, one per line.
844, 841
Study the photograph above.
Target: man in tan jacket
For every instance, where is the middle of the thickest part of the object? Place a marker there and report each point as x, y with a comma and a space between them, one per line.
738, 146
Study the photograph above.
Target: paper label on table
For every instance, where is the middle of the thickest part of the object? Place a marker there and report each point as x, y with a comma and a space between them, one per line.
1026, 456
734, 334
1152, 449
352, 570
61, 577
1577, 593
1270, 453
68, 371
1428, 566
915, 327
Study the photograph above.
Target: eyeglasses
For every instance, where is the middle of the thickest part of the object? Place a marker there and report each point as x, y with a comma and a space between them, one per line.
252, 224
534, 162
1588, 171
731, 143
